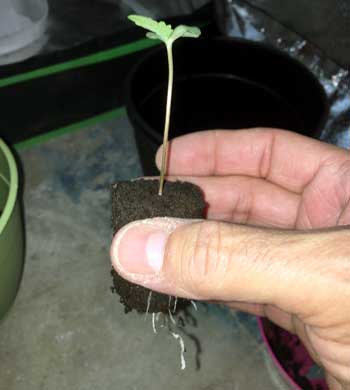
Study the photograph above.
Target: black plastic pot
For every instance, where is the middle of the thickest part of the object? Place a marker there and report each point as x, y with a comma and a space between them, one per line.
221, 83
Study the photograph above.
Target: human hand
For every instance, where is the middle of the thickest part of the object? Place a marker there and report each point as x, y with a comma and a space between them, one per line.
282, 183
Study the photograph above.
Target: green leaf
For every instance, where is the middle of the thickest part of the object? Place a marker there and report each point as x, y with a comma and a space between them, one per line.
186, 32
162, 30
152, 35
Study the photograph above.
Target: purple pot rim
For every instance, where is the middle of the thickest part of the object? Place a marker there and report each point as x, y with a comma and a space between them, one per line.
274, 358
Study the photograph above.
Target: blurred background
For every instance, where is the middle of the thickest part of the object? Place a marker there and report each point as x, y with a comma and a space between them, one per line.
72, 22
63, 67
37, 35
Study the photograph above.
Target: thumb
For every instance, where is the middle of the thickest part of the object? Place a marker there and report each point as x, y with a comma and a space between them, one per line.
210, 260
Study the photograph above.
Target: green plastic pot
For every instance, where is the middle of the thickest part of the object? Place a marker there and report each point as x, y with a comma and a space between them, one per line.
11, 231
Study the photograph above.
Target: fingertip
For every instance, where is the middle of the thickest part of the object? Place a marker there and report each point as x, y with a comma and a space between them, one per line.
158, 158
138, 250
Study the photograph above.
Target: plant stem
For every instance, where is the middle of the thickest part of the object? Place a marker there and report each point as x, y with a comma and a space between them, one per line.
167, 117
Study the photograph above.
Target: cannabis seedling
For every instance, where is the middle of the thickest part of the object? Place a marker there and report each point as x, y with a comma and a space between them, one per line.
165, 33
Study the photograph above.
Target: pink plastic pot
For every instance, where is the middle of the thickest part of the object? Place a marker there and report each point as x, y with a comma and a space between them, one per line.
291, 359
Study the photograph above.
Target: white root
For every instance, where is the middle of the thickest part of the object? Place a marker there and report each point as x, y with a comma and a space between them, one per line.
193, 303
148, 303
172, 318
175, 304
182, 345
162, 325
158, 315
154, 323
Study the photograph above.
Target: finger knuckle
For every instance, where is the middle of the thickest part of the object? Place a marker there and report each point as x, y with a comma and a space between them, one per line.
204, 268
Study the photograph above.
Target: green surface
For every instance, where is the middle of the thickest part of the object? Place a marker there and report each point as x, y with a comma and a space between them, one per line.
92, 59
102, 56
69, 129
89, 60
11, 231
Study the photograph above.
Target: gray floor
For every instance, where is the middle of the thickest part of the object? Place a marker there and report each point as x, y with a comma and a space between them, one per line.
66, 330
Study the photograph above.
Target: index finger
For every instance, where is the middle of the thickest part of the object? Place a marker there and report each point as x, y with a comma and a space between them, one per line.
284, 158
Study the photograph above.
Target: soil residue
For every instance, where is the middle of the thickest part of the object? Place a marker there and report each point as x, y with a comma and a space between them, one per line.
139, 199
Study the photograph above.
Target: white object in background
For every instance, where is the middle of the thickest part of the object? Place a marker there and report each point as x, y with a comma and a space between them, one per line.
157, 9
22, 27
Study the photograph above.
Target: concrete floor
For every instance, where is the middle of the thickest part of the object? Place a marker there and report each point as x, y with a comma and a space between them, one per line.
66, 330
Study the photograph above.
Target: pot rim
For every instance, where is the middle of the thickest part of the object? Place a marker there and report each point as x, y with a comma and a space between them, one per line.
131, 106
274, 358
12, 182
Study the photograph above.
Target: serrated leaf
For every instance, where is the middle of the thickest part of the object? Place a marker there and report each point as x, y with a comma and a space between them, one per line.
186, 32
162, 30
192, 32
